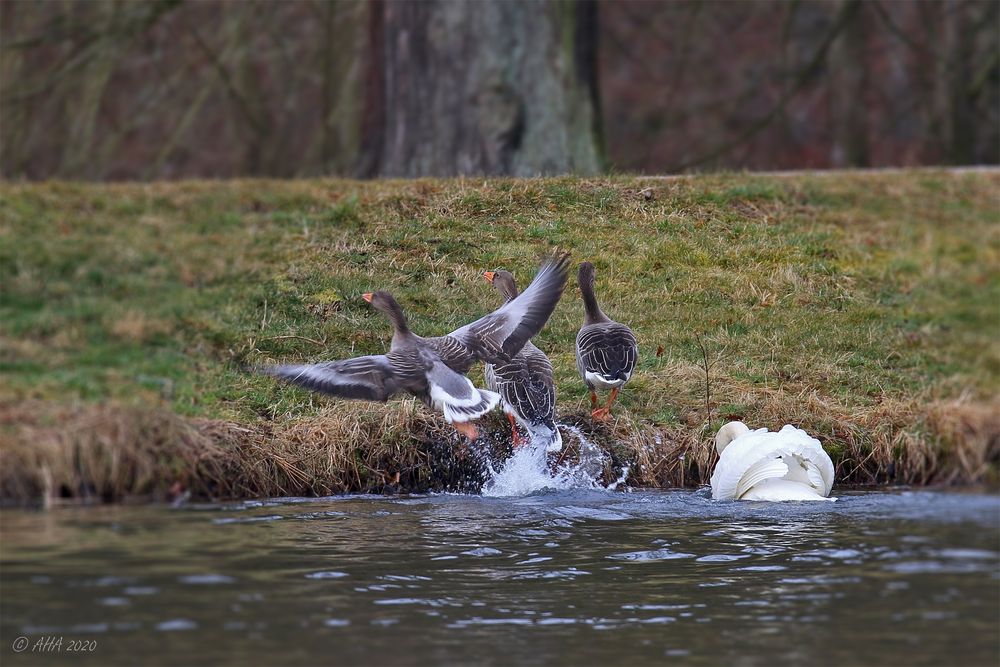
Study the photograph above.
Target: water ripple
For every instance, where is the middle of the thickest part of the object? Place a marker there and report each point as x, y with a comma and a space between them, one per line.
206, 579
721, 558
482, 551
176, 625
651, 555
247, 519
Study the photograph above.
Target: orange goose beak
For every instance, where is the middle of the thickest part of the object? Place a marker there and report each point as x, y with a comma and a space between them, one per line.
489, 276
367, 297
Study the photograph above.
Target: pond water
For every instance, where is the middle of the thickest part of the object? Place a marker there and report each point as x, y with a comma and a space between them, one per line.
563, 577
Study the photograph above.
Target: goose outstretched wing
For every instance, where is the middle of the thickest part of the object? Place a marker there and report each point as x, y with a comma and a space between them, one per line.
497, 337
368, 378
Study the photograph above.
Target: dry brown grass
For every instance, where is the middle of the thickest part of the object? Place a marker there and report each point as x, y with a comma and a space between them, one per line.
101, 453
51, 454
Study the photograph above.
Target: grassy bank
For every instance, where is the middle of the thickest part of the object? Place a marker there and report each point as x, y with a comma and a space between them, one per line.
862, 307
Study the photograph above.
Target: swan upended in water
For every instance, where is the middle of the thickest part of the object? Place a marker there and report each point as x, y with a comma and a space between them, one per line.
763, 465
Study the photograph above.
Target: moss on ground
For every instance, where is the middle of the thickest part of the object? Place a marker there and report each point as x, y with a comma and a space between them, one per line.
863, 307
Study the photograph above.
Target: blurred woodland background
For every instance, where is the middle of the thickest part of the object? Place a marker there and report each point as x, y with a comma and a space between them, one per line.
166, 89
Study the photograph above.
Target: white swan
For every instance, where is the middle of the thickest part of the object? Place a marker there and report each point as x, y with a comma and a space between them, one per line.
761, 465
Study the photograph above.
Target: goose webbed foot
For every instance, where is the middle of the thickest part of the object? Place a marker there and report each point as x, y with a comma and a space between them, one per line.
604, 414
468, 429
601, 414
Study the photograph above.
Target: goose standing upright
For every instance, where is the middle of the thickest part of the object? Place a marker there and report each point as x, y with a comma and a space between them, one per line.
606, 351
762, 465
433, 369
525, 383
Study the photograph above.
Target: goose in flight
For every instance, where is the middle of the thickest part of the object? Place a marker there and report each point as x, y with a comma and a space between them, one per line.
762, 465
526, 384
433, 369
606, 351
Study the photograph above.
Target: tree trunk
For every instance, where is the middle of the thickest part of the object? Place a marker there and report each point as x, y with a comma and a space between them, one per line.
957, 72
481, 88
850, 82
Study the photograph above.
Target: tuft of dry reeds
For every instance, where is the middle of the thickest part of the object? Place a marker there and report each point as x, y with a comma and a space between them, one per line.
103, 453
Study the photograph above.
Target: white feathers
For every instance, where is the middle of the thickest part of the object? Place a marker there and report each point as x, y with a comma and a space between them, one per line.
765, 468
475, 403
761, 465
728, 433
816, 480
601, 382
781, 490
441, 396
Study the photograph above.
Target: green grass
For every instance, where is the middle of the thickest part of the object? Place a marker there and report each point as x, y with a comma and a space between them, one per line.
856, 291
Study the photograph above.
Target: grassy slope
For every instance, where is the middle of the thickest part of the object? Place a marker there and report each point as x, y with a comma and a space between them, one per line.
863, 307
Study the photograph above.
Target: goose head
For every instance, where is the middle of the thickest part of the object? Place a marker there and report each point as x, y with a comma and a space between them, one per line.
385, 303
503, 281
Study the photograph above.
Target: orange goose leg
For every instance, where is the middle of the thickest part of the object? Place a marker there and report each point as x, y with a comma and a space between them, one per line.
604, 414
515, 437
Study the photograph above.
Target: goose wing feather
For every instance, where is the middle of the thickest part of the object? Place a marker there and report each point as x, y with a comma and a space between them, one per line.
453, 352
455, 395
497, 337
370, 378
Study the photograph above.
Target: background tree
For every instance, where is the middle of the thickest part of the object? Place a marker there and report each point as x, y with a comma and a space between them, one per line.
497, 87
103, 89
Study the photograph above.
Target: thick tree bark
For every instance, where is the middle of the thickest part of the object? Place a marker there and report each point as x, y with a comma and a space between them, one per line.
481, 88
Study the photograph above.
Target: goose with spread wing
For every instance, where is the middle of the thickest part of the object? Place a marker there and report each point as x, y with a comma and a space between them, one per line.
526, 383
433, 369
762, 465
606, 351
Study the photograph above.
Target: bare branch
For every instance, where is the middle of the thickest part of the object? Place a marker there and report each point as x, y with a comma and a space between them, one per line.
804, 75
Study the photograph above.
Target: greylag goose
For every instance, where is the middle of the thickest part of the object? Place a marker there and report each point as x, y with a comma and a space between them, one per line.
525, 383
606, 351
433, 369
761, 465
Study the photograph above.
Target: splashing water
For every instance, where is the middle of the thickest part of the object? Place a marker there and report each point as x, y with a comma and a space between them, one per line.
527, 471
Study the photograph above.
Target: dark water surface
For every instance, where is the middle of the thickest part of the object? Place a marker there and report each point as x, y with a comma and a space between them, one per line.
566, 578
